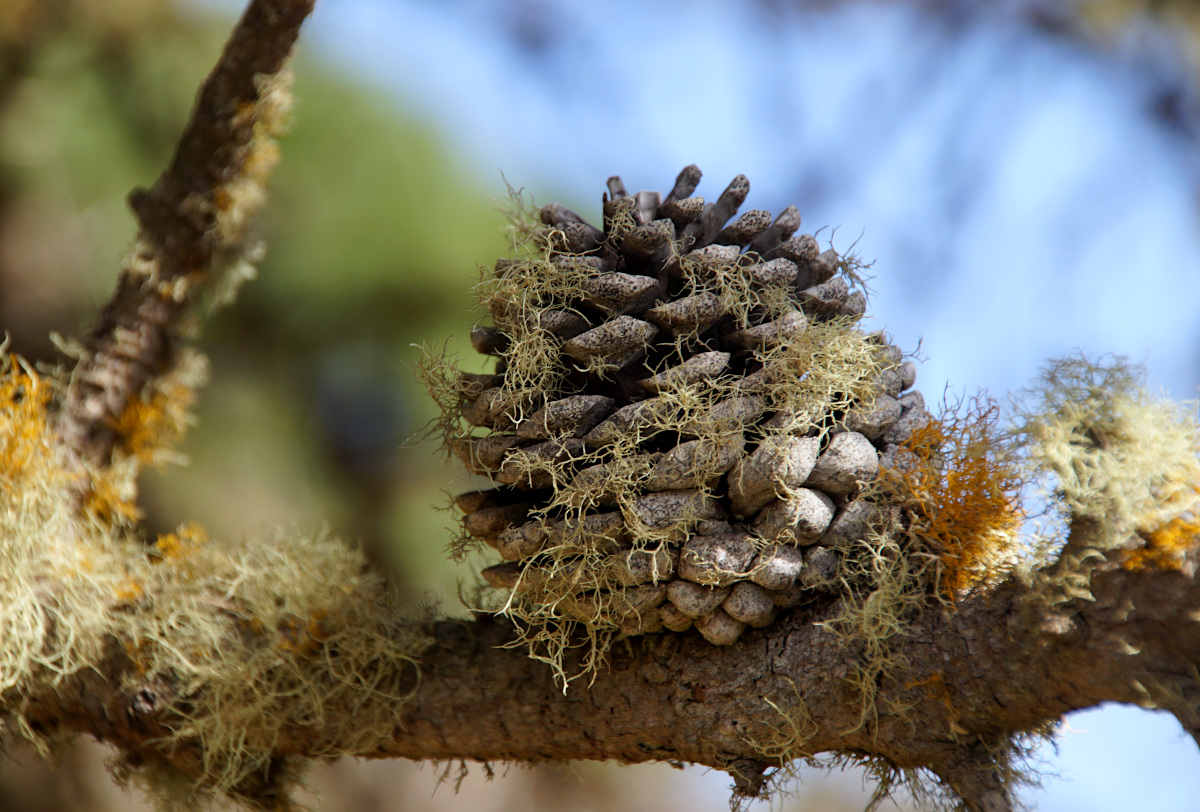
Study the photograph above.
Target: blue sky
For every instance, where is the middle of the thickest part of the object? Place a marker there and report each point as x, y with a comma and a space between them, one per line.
1017, 198
1008, 185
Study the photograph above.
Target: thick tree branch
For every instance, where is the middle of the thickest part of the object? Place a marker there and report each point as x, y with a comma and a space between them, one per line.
991, 666
192, 225
998, 663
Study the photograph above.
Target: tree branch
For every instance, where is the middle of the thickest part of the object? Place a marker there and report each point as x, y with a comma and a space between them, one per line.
965, 680
988, 667
193, 225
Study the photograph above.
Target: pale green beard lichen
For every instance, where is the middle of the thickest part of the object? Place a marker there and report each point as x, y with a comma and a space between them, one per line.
246, 645
1118, 455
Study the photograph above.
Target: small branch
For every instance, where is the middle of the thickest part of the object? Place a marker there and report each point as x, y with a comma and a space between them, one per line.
193, 224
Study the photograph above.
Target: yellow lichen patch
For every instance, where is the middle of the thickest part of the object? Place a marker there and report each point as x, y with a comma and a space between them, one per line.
240, 198
148, 424
24, 398
963, 491
303, 638
1166, 547
260, 639
153, 423
182, 543
146, 432
129, 591
58, 575
111, 498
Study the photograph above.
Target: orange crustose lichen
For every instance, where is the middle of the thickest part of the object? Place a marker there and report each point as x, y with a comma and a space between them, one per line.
182, 543
106, 502
304, 639
1166, 546
146, 426
24, 398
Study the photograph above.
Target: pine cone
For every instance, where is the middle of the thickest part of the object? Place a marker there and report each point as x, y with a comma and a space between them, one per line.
682, 420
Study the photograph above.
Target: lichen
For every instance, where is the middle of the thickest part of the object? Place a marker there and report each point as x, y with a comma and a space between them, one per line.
962, 484
280, 637
883, 588
1118, 456
257, 642
153, 424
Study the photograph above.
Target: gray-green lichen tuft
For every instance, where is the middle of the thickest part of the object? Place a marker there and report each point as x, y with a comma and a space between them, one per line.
231, 651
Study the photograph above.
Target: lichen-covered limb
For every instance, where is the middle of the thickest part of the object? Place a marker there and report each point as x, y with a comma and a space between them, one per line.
193, 225
996, 664
1000, 663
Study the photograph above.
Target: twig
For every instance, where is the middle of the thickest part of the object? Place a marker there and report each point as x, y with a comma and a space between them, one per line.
193, 225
